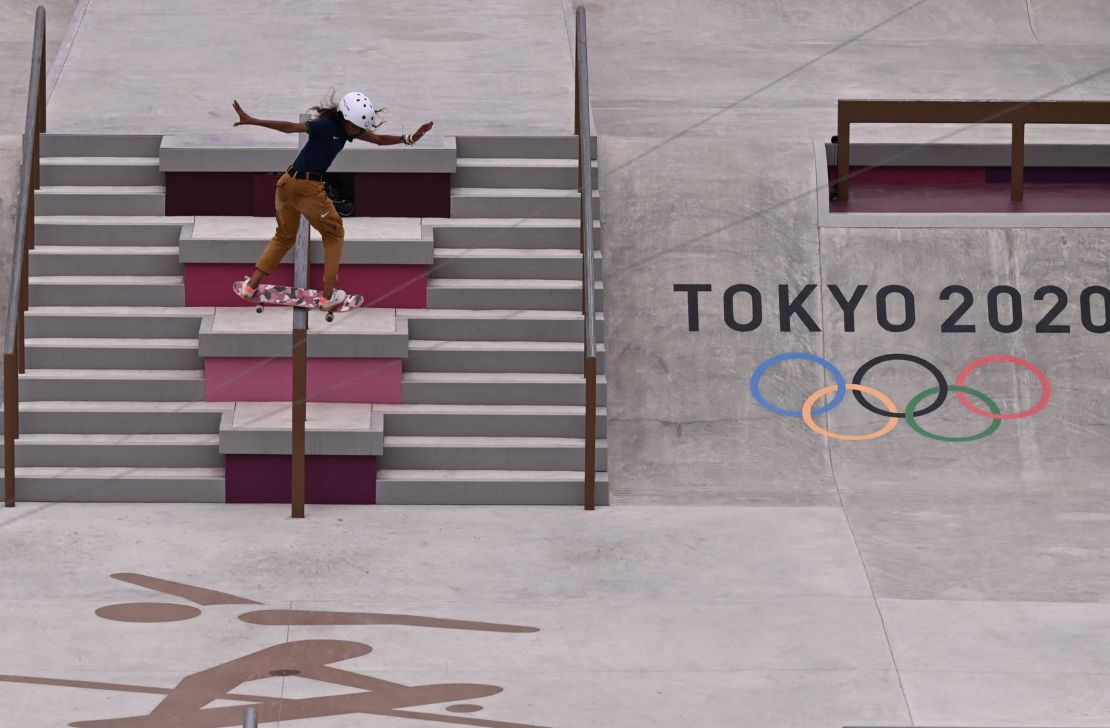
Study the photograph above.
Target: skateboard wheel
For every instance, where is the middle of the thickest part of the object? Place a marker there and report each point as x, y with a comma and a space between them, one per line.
258, 308
329, 317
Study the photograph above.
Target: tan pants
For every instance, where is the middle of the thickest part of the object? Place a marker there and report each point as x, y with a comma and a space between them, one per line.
296, 197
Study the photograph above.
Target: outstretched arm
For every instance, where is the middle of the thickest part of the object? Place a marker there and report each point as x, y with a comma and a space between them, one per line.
289, 127
387, 139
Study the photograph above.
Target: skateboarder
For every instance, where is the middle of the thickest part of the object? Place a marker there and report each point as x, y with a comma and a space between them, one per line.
300, 191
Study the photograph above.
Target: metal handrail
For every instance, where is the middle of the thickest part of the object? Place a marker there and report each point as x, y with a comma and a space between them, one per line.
14, 354
586, 247
1015, 113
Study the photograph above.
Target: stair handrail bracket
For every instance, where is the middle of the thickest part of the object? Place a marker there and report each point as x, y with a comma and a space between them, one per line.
14, 356
586, 247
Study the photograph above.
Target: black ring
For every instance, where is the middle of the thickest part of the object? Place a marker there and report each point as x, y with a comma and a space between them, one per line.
942, 394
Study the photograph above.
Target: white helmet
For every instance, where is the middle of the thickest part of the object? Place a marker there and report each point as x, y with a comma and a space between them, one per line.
357, 109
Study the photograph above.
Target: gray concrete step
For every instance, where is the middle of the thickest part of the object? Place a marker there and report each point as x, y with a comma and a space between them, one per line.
135, 291
108, 230
120, 485
460, 420
534, 147
121, 417
111, 353
541, 264
497, 388
497, 202
509, 172
97, 171
486, 487
487, 453
497, 325
100, 200
126, 260
509, 232
498, 356
101, 145
119, 450
487, 294
117, 385
155, 322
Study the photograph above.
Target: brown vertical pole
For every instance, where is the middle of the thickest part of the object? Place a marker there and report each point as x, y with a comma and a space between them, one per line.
300, 379
577, 121
11, 427
24, 295
591, 433
843, 159
1017, 162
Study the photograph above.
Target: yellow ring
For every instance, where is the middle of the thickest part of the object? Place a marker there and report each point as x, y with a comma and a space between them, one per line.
807, 413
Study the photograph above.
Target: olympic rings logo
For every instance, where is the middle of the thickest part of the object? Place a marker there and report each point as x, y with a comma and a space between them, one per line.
913, 409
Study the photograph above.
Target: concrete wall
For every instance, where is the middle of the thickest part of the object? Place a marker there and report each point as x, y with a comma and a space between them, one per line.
706, 111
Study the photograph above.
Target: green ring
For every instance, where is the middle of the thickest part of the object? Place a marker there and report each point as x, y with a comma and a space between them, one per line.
912, 421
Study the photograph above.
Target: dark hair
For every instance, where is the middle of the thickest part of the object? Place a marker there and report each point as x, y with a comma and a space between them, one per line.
329, 109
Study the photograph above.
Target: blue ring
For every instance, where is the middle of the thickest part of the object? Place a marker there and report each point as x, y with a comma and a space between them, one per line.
757, 375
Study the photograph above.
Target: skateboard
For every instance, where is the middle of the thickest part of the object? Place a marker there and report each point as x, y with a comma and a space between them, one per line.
270, 294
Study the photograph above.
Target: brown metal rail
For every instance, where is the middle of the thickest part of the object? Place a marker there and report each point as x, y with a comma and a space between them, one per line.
299, 343
14, 356
1015, 113
586, 247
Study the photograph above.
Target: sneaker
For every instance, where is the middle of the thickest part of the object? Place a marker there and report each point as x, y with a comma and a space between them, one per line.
246, 292
330, 304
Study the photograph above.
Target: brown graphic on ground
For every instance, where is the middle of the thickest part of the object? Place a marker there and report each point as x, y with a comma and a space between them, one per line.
148, 612
307, 617
184, 705
195, 594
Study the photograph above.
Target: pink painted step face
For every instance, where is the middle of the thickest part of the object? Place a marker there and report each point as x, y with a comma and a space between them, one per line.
246, 379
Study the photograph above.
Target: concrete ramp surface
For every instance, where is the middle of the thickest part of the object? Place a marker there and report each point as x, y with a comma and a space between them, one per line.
776, 551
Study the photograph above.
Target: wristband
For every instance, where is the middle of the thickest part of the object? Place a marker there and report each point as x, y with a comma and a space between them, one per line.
407, 139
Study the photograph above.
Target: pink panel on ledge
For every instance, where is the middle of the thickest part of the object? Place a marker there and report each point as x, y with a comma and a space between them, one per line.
243, 379
334, 479
383, 286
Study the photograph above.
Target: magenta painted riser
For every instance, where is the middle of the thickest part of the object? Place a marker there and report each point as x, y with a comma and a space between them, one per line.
383, 286
329, 479
359, 381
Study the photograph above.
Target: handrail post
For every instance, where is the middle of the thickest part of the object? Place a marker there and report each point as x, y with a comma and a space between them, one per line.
591, 433
1017, 162
300, 366
11, 426
843, 158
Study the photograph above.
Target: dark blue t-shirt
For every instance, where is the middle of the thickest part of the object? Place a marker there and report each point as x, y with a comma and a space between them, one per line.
326, 139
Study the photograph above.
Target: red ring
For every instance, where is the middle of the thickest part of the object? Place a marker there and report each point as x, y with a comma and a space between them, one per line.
1046, 388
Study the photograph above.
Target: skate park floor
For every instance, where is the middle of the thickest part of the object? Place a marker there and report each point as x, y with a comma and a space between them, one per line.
748, 573
643, 616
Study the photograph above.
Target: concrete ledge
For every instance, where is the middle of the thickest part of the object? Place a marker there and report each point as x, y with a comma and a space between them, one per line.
365, 333
265, 428
229, 153
383, 241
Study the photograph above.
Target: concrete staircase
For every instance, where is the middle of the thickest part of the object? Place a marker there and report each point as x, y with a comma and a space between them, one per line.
493, 389
111, 403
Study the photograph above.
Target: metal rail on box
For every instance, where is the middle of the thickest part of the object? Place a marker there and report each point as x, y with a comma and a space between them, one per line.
1015, 113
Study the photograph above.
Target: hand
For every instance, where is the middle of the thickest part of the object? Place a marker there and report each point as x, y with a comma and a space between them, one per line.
244, 117
421, 132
